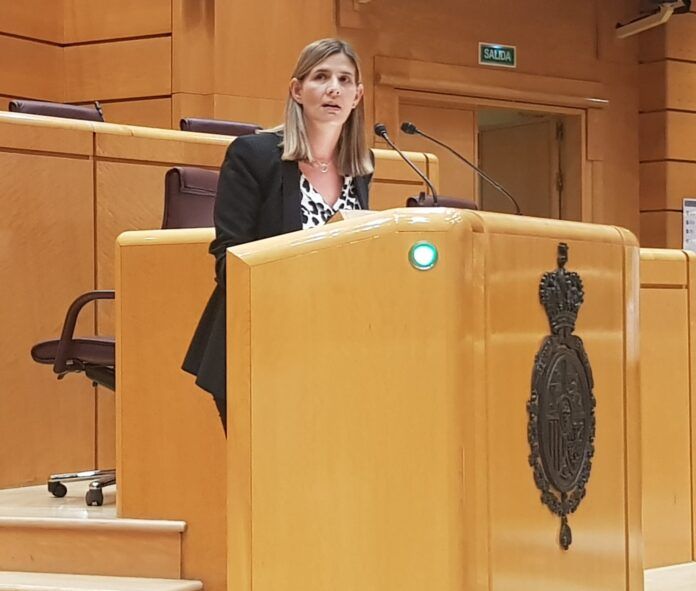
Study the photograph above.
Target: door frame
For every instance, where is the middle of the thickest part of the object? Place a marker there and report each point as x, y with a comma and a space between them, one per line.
403, 81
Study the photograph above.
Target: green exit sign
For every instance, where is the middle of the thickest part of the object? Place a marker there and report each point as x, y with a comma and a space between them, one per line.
494, 54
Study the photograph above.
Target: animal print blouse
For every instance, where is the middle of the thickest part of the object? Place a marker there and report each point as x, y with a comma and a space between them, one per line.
315, 211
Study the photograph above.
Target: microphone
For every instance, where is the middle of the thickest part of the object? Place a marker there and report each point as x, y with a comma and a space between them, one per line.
381, 131
411, 129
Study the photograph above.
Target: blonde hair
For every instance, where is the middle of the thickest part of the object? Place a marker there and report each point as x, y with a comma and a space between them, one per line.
354, 158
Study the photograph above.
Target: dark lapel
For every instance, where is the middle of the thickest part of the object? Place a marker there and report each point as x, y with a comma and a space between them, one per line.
292, 198
361, 188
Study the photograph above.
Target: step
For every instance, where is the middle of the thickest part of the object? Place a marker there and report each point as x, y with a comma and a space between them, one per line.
40, 533
21, 581
679, 577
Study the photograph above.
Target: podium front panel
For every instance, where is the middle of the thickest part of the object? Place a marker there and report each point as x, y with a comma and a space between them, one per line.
378, 425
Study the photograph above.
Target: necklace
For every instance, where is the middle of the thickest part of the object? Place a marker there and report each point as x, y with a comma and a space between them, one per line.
322, 166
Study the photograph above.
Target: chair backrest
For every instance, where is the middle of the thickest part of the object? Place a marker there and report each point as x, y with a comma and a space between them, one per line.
427, 201
219, 126
88, 113
189, 197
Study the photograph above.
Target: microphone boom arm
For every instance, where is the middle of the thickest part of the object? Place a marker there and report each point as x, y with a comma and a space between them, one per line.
413, 129
381, 131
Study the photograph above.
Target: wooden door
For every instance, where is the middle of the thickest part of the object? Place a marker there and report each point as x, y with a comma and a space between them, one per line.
523, 158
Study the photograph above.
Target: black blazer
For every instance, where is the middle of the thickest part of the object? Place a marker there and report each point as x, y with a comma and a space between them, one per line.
258, 196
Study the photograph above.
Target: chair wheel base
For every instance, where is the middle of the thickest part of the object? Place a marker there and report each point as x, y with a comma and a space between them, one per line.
57, 489
94, 496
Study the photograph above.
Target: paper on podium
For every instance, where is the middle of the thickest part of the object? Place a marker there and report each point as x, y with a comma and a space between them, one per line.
348, 214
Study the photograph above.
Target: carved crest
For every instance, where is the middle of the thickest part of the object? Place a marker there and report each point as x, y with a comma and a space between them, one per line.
561, 409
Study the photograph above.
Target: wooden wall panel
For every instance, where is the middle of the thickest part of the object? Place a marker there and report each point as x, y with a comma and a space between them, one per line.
668, 85
193, 46
191, 105
43, 138
257, 61
36, 71
148, 113
94, 20
47, 425
679, 39
663, 185
661, 229
665, 400
619, 203
569, 29
118, 70
672, 41
177, 147
171, 443
106, 428
129, 197
455, 127
653, 80
667, 135
4, 103
266, 112
35, 19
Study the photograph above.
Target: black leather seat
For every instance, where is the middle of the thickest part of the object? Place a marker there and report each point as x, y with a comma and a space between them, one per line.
87, 113
218, 126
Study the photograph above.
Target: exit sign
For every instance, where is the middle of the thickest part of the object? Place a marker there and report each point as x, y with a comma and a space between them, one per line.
494, 54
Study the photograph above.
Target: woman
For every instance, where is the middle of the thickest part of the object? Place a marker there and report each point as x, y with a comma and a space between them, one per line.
292, 177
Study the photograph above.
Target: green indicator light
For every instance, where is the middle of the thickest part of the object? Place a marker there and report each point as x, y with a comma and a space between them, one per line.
423, 255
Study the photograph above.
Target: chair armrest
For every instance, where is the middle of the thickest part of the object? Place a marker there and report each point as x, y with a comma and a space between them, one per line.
66, 336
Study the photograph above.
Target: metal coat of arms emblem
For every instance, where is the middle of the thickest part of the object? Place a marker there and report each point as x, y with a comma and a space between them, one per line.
561, 409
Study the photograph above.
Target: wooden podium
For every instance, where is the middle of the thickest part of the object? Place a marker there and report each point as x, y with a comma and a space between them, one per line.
378, 413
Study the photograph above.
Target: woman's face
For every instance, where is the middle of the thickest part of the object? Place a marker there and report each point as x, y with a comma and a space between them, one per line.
329, 92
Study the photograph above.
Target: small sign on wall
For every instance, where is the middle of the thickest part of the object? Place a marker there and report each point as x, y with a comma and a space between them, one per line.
495, 54
689, 216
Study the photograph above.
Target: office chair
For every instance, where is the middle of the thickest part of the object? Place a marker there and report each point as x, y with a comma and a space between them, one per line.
219, 126
189, 196
88, 113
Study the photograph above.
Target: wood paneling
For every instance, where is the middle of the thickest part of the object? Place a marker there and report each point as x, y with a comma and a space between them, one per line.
453, 501
661, 229
176, 148
563, 41
193, 46
114, 553
36, 71
191, 105
47, 425
118, 70
524, 159
665, 400
653, 81
455, 127
106, 428
663, 185
250, 60
41, 138
36, 19
94, 20
171, 443
129, 197
149, 113
4, 103
668, 85
672, 41
679, 37
265, 112
667, 135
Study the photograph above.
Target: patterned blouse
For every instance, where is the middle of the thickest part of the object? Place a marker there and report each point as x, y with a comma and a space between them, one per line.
315, 211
